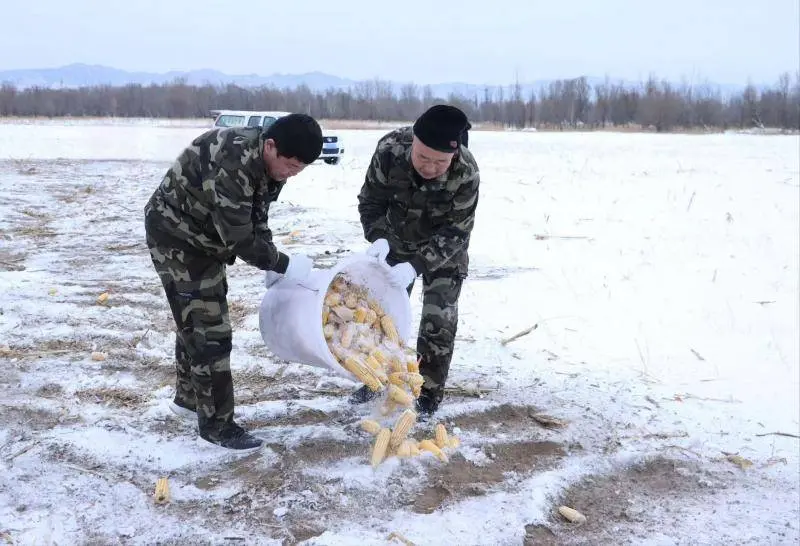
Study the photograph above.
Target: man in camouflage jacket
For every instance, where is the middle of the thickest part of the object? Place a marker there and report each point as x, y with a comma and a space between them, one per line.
420, 195
210, 208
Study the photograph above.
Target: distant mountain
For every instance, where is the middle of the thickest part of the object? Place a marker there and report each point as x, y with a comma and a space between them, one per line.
80, 75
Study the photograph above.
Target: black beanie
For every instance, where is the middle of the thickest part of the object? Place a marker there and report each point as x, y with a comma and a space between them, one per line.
440, 127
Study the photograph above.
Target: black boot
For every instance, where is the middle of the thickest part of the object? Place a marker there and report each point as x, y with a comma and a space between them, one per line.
232, 436
363, 395
428, 402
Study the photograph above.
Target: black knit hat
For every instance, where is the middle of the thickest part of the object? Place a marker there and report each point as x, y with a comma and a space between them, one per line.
440, 127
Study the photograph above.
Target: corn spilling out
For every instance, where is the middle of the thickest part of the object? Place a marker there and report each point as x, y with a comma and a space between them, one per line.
365, 342
396, 440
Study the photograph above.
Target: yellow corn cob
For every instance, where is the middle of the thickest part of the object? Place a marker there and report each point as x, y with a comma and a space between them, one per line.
380, 375
412, 364
375, 306
332, 299
378, 355
413, 446
339, 283
453, 442
328, 330
362, 372
102, 298
389, 329
161, 494
380, 447
326, 313
371, 426
400, 396
441, 436
396, 365
416, 390
401, 427
371, 317
429, 445
403, 450
360, 314
372, 362
404, 378
347, 335
351, 300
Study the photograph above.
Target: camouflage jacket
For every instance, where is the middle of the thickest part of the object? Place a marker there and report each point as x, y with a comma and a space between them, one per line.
215, 200
426, 222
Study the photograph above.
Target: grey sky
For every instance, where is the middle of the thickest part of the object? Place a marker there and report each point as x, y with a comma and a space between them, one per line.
725, 41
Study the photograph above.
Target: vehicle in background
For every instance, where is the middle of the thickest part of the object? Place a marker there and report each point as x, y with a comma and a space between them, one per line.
332, 149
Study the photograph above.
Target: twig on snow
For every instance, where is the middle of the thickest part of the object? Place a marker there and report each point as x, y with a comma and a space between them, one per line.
518, 335
787, 434
21, 452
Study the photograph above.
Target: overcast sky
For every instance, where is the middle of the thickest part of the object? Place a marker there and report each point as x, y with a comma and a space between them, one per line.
724, 41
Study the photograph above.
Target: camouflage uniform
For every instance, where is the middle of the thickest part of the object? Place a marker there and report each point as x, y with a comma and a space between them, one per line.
211, 206
427, 223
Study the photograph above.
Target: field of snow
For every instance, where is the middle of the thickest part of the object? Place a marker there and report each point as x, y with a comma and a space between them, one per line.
661, 272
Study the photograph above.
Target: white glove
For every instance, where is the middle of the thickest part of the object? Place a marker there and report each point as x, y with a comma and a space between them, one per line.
299, 267
379, 249
402, 274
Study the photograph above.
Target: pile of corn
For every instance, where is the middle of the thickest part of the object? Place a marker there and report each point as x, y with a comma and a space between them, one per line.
364, 341
395, 440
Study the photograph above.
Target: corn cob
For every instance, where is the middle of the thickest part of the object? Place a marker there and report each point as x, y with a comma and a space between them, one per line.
347, 335
371, 426
404, 378
416, 390
372, 362
400, 396
441, 436
571, 515
339, 283
363, 373
360, 314
404, 449
102, 298
412, 363
378, 355
371, 317
161, 494
401, 428
326, 313
389, 329
380, 447
396, 365
332, 299
351, 300
413, 447
375, 306
429, 445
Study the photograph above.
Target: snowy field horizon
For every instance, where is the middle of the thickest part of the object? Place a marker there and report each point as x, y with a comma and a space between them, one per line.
662, 273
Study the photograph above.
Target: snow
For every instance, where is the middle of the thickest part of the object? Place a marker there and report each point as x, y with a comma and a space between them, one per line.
662, 271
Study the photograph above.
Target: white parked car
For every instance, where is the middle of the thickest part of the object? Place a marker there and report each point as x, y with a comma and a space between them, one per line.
332, 148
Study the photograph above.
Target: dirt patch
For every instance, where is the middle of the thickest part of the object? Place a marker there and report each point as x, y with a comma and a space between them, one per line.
302, 417
461, 478
505, 417
29, 419
622, 503
239, 311
114, 397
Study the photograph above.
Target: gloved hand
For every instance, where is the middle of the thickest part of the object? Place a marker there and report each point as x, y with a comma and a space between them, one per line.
402, 274
299, 267
379, 249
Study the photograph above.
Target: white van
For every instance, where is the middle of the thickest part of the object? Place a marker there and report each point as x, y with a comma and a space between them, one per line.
332, 148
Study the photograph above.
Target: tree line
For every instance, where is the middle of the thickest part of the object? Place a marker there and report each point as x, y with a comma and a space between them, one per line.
655, 104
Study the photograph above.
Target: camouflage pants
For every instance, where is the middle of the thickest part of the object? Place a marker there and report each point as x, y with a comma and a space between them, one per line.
196, 289
438, 325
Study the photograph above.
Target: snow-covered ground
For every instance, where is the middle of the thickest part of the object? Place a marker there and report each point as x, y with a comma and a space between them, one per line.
661, 270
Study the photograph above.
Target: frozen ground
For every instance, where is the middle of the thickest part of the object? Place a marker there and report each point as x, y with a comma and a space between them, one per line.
662, 272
